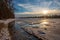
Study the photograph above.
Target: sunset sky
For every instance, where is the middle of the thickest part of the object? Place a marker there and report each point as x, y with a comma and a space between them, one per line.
36, 6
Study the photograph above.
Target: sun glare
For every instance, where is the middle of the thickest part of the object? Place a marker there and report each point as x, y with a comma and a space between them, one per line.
45, 12
44, 23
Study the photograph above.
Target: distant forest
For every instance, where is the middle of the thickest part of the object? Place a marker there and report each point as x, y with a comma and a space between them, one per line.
49, 16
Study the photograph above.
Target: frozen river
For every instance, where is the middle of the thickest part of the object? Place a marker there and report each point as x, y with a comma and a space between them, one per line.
46, 28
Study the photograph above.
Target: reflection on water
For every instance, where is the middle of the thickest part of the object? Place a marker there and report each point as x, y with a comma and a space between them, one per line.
44, 23
51, 27
36, 22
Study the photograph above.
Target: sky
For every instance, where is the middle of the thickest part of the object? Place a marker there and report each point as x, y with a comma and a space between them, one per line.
36, 6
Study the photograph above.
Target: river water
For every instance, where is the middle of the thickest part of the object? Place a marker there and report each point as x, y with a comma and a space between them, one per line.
50, 26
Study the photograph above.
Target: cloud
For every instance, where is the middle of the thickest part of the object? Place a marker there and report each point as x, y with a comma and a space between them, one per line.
32, 7
41, 12
41, 5
45, 4
32, 14
57, 2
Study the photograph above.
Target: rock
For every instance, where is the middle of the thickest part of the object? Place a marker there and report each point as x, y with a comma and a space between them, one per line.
41, 32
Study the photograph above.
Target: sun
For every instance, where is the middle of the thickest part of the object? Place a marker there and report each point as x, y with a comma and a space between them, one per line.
45, 12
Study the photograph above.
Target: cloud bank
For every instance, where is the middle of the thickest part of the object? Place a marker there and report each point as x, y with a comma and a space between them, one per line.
36, 6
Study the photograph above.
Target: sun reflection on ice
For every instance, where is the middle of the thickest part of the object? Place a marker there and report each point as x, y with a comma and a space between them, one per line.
44, 23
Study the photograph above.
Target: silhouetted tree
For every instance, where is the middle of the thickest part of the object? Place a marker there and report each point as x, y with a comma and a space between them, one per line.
6, 10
